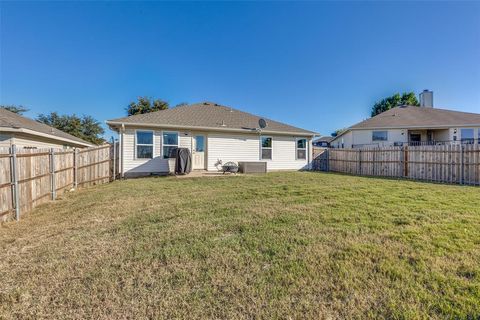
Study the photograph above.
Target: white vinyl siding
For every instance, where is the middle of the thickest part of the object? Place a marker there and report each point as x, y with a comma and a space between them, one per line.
284, 154
155, 165
363, 138
23, 140
231, 147
219, 146
132, 164
245, 147
185, 140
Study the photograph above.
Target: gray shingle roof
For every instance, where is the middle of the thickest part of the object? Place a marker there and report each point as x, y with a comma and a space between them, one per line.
207, 115
325, 138
10, 119
409, 116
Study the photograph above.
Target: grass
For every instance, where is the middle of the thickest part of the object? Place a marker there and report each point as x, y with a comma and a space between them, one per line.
284, 245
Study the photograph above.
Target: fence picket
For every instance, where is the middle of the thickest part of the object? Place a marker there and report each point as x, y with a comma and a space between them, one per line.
29, 177
453, 163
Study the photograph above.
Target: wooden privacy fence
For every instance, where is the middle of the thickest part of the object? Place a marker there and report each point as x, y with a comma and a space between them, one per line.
29, 177
454, 163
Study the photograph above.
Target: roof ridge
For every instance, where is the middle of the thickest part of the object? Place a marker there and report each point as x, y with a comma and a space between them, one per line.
414, 116
429, 109
205, 114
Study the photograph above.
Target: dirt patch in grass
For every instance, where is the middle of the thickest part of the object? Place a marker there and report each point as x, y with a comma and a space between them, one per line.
283, 245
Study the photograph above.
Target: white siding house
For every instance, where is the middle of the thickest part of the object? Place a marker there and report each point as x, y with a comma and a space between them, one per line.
213, 134
410, 125
26, 133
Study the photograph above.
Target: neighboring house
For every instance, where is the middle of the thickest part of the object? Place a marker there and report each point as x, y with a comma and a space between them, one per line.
412, 126
409, 125
26, 133
214, 134
322, 142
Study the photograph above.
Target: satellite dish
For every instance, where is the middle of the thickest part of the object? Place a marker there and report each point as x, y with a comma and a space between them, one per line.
262, 123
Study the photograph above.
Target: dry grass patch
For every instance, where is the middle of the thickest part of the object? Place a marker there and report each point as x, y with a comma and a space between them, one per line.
284, 245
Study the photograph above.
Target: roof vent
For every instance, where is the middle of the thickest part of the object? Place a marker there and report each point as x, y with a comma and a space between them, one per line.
223, 124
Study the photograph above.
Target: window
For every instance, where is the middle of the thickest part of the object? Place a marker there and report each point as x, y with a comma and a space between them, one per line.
199, 143
301, 149
379, 136
170, 143
467, 136
144, 144
266, 152
415, 137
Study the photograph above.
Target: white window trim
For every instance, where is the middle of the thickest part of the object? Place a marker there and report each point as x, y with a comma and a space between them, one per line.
142, 144
261, 148
473, 136
379, 131
169, 145
297, 148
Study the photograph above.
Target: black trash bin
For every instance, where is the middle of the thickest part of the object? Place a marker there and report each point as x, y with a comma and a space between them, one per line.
183, 161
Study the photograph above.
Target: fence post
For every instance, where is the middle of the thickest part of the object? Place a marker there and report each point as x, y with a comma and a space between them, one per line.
328, 160
402, 160
52, 174
405, 161
462, 160
359, 162
14, 176
75, 168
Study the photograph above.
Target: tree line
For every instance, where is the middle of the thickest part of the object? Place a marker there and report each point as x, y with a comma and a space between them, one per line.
395, 100
87, 127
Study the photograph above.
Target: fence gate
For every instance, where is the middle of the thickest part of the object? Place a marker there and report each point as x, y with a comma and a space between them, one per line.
320, 162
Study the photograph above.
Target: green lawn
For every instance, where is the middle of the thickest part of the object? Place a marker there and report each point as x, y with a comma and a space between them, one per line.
283, 245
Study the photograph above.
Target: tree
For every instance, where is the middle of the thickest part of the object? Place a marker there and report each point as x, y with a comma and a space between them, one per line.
396, 100
181, 104
338, 132
146, 105
13, 108
84, 127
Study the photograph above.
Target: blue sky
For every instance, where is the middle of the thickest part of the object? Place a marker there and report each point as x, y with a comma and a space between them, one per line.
317, 65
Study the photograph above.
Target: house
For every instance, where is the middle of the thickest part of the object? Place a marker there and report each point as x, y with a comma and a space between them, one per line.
214, 134
26, 133
412, 125
322, 142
